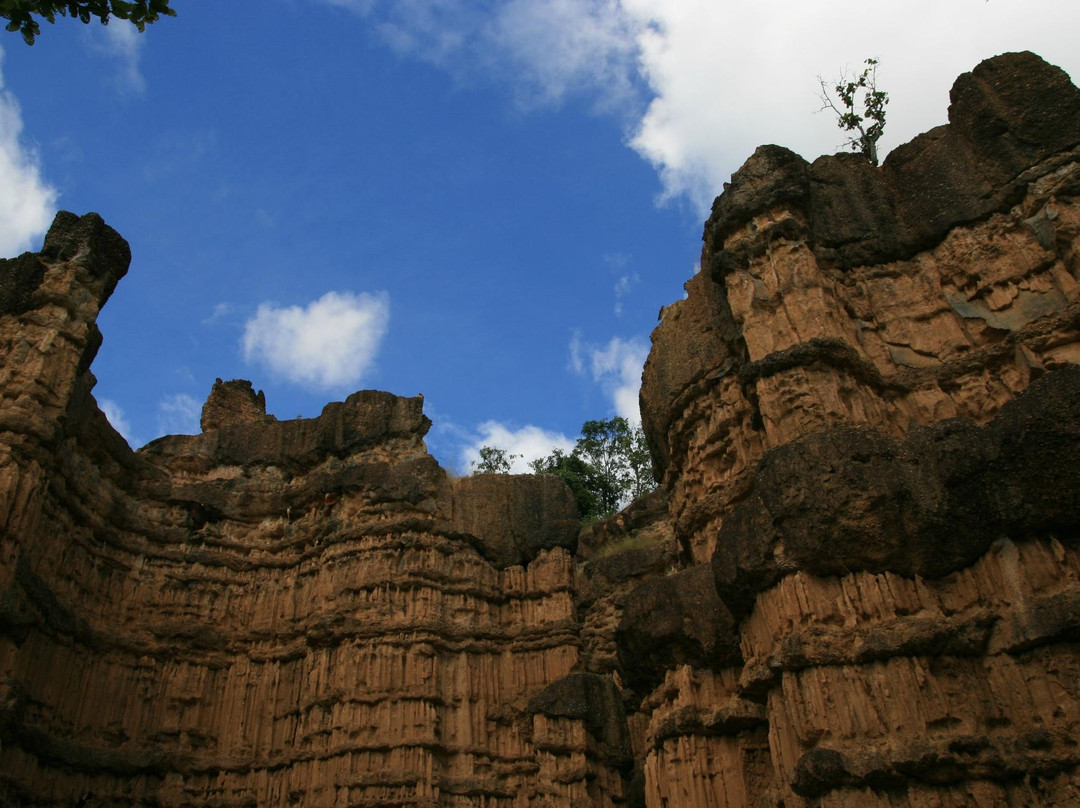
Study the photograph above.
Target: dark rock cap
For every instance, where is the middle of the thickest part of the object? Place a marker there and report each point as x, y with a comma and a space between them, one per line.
513, 517
849, 499
1008, 115
104, 251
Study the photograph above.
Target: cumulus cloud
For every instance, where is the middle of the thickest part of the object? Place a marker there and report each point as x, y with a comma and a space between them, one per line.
704, 82
28, 202
179, 415
616, 367
526, 444
328, 344
117, 418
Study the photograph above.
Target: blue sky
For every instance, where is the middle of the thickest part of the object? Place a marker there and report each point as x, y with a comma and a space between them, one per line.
484, 202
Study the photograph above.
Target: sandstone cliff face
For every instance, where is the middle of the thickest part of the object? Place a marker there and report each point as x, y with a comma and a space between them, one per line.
938, 286
866, 413
303, 612
859, 584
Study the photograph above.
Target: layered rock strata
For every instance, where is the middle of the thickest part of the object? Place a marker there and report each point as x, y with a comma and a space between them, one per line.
858, 585
937, 286
303, 612
866, 414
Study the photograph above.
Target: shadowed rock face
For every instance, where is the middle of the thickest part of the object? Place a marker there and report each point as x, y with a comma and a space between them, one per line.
851, 499
270, 612
937, 286
675, 620
857, 586
596, 701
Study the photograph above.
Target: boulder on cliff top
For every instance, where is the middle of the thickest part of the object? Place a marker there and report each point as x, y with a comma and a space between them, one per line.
233, 402
513, 517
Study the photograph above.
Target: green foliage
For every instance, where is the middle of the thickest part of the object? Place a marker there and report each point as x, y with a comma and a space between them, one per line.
591, 490
20, 13
609, 466
871, 122
638, 542
493, 461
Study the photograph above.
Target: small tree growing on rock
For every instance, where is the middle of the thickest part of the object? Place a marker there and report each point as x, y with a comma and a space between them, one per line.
493, 460
870, 124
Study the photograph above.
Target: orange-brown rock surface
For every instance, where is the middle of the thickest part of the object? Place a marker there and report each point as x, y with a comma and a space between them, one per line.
858, 585
302, 612
866, 413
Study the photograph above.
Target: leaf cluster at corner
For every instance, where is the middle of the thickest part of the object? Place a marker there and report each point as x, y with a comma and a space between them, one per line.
20, 13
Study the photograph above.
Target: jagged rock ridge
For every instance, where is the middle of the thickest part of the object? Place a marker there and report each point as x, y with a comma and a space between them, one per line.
858, 585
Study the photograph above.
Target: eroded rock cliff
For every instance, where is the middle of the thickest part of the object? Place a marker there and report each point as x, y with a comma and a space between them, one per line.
866, 414
859, 583
303, 612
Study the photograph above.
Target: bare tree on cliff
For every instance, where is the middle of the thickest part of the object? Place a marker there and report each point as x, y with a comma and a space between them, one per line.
871, 122
20, 13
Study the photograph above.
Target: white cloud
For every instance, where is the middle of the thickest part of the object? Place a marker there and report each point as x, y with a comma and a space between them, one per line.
28, 203
117, 418
546, 50
329, 344
220, 312
179, 415
727, 77
616, 367
720, 77
122, 42
623, 287
563, 47
527, 443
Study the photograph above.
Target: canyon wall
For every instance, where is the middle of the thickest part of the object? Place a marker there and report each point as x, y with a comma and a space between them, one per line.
858, 585
305, 612
866, 415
